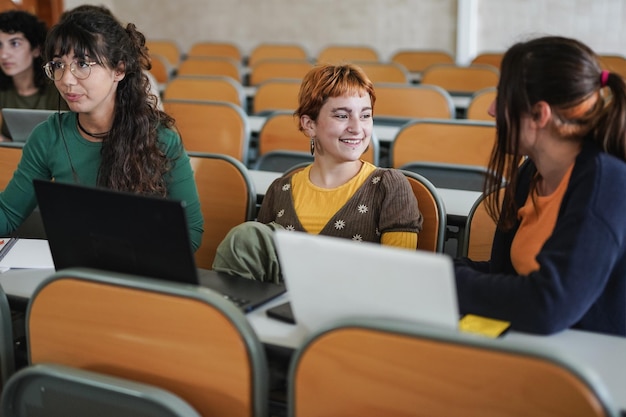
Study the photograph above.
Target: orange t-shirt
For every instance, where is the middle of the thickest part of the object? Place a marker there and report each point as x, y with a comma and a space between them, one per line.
537, 219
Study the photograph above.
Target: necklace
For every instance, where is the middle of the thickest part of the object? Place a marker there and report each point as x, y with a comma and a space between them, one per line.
93, 135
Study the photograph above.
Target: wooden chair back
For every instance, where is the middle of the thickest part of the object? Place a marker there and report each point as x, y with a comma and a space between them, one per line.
227, 198
214, 49
462, 142
480, 102
161, 69
269, 69
413, 101
408, 370
457, 79
614, 63
10, 155
211, 126
276, 94
276, 51
167, 48
208, 87
433, 234
384, 72
479, 231
210, 66
181, 338
488, 58
336, 54
280, 132
417, 60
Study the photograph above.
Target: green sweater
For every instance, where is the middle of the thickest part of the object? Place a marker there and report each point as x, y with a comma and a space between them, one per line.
47, 98
45, 157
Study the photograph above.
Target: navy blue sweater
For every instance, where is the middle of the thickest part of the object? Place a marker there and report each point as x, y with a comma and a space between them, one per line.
581, 281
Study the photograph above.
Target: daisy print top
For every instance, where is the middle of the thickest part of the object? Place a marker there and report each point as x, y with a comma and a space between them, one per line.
375, 202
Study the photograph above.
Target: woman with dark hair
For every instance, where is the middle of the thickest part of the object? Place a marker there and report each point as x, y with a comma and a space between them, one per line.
113, 136
23, 83
339, 194
559, 253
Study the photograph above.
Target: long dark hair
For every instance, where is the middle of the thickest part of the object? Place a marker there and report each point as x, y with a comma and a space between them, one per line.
567, 75
132, 159
34, 30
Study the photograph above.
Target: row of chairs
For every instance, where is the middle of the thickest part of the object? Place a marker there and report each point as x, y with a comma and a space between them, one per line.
393, 100
155, 351
453, 78
414, 60
222, 127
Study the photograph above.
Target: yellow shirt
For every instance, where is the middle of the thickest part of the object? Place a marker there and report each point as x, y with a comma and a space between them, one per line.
315, 205
537, 219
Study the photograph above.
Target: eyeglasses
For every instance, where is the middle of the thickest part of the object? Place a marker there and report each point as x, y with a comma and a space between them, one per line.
81, 69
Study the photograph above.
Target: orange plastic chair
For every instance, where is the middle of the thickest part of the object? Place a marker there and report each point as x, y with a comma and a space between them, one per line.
412, 101
211, 126
10, 155
480, 102
276, 94
364, 367
210, 66
335, 54
384, 72
210, 87
489, 58
227, 198
464, 142
277, 51
432, 237
269, 69
167, 48
461, 80
181, 338
417, 60
209, 49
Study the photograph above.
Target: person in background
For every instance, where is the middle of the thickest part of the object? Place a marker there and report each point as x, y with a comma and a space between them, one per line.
559, 254
338, 194
23, 83
113, 136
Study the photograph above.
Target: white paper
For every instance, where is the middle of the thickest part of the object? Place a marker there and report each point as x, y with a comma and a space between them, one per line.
28, 253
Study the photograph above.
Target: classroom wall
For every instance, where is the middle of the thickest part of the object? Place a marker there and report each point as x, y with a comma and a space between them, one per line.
388, 25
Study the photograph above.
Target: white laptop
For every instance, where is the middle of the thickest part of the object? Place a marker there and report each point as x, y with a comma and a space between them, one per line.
331, 278
21, 122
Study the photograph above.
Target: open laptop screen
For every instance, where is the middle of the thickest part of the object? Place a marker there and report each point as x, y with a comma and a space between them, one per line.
116, 231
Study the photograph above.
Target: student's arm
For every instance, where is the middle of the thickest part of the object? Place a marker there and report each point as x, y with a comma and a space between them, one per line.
182, 186
400, 219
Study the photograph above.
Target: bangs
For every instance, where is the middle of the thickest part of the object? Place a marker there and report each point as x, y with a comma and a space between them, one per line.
64, 39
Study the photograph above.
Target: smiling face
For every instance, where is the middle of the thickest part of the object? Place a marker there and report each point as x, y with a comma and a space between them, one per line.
16, 55
343, 127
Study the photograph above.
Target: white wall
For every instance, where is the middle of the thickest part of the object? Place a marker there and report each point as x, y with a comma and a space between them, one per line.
388, 25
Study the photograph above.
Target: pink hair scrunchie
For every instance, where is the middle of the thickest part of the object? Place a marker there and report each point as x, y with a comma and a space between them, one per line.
604, 77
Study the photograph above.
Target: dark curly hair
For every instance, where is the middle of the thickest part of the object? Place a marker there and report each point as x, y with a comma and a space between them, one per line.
34, 30
132, 159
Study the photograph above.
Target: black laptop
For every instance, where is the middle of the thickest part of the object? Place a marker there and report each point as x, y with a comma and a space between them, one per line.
129, 233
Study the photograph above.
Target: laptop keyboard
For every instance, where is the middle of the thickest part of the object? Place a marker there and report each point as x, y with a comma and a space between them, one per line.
239, 302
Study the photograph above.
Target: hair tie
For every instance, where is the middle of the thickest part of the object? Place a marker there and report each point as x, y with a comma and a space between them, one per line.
604, 77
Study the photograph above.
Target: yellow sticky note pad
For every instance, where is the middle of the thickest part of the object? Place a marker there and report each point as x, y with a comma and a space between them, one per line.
485, 326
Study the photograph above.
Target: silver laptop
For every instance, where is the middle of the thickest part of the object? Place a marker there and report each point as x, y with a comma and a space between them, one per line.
330, 278
21, 122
